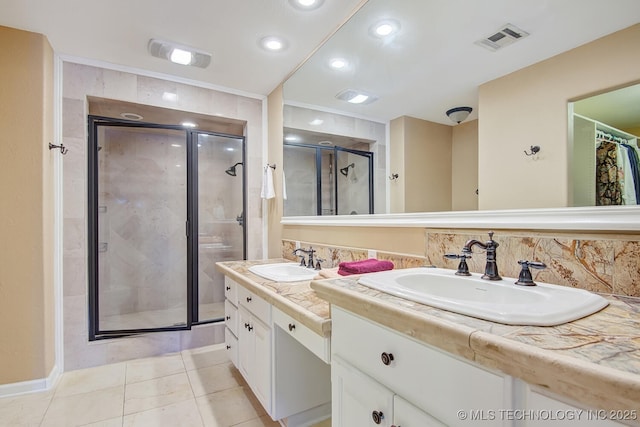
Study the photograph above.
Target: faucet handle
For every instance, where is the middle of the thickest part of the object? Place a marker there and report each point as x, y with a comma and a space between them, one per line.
318, 261
463, 268
302, 261
525, 278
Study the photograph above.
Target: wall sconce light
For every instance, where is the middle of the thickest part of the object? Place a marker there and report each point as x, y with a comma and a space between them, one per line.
459, 114
179, 54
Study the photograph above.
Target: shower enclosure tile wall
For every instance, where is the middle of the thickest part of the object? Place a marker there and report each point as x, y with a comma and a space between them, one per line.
80, 81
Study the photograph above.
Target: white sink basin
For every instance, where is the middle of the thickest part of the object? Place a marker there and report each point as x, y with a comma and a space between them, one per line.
499, 301
283, 272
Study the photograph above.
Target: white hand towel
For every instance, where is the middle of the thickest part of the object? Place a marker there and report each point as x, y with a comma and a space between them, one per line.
284, 187
268, 191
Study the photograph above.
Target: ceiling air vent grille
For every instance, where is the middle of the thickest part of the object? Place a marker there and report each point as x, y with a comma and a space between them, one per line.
505, 36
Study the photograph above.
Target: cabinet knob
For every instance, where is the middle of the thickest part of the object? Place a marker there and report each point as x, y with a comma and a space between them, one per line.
250, 328
228, 347
291, 327
248, 299
246, 325
377, 416
228, 288
228, 317
387, 358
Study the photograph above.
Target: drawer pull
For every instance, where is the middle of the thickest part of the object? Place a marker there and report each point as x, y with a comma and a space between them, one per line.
291, 327
377, 417
248, 299
228, 317
246, 325
250, 328
228, 288
387, 358
228, 347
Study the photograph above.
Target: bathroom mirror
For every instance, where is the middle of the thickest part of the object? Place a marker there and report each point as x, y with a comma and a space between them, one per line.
438, 59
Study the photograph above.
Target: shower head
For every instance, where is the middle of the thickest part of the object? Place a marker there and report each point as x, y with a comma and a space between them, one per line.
345, 170
232, 170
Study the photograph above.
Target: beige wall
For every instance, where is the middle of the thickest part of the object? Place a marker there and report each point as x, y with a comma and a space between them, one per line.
421, 155
26, 207
529, 107
464, 166
275, 155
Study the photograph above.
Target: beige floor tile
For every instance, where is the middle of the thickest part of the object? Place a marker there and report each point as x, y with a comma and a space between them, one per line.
91, 379
24, 410
182, 414
325, 423
214, 378
154, 367
229, 407
204, 357
264, 421
145, 395
84, 408
111, 422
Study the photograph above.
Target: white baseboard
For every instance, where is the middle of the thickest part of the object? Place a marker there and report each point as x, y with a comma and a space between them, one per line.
31, 386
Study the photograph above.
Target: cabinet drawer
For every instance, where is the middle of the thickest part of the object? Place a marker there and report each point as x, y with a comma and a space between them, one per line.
231, 290
256, 305
405, 414
436, 382
231, 317
315, 343
232, 346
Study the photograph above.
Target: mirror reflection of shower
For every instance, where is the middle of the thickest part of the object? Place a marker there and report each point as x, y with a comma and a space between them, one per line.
232, 170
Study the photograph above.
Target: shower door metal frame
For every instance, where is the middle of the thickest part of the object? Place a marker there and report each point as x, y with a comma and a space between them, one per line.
191, 226
336, 149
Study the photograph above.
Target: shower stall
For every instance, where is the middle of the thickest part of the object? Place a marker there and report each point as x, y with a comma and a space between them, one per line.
162, 212
327, 180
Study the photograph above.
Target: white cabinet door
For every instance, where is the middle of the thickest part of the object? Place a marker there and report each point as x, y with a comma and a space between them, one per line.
357, 400
261, 377
407, 415
246, 344
543, 410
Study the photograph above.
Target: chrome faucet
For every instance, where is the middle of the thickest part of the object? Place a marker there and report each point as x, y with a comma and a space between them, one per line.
491, 268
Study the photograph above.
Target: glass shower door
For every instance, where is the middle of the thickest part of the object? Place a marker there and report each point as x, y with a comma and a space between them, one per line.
220, 164
354, 186
141, 232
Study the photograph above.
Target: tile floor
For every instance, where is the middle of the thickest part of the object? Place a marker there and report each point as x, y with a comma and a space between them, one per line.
193, 388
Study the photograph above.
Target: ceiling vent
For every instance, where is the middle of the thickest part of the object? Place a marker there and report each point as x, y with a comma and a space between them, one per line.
505, 36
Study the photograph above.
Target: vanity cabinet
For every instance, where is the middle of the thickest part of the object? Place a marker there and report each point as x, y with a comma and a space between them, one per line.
254, 344
282, 360
432, 384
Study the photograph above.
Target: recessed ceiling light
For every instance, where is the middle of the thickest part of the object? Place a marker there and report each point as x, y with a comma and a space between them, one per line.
176, 145
306, 4
356, 96
384, 28
325, 143
316, 122
273, 43
169, 96
338, 63
131, 116
189, 124
292, 138
179, 54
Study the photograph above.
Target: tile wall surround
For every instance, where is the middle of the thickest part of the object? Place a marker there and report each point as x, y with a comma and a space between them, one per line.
606, 263
80, 81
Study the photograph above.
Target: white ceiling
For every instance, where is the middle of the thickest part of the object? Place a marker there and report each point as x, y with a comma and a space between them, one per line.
117, 32
432, 65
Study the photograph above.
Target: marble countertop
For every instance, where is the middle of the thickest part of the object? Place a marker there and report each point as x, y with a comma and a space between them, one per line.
594, 360
296, 299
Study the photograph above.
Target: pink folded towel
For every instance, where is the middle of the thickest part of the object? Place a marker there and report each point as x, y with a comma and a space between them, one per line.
370, 265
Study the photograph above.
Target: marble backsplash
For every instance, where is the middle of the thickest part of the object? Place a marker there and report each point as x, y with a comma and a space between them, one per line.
607, 264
